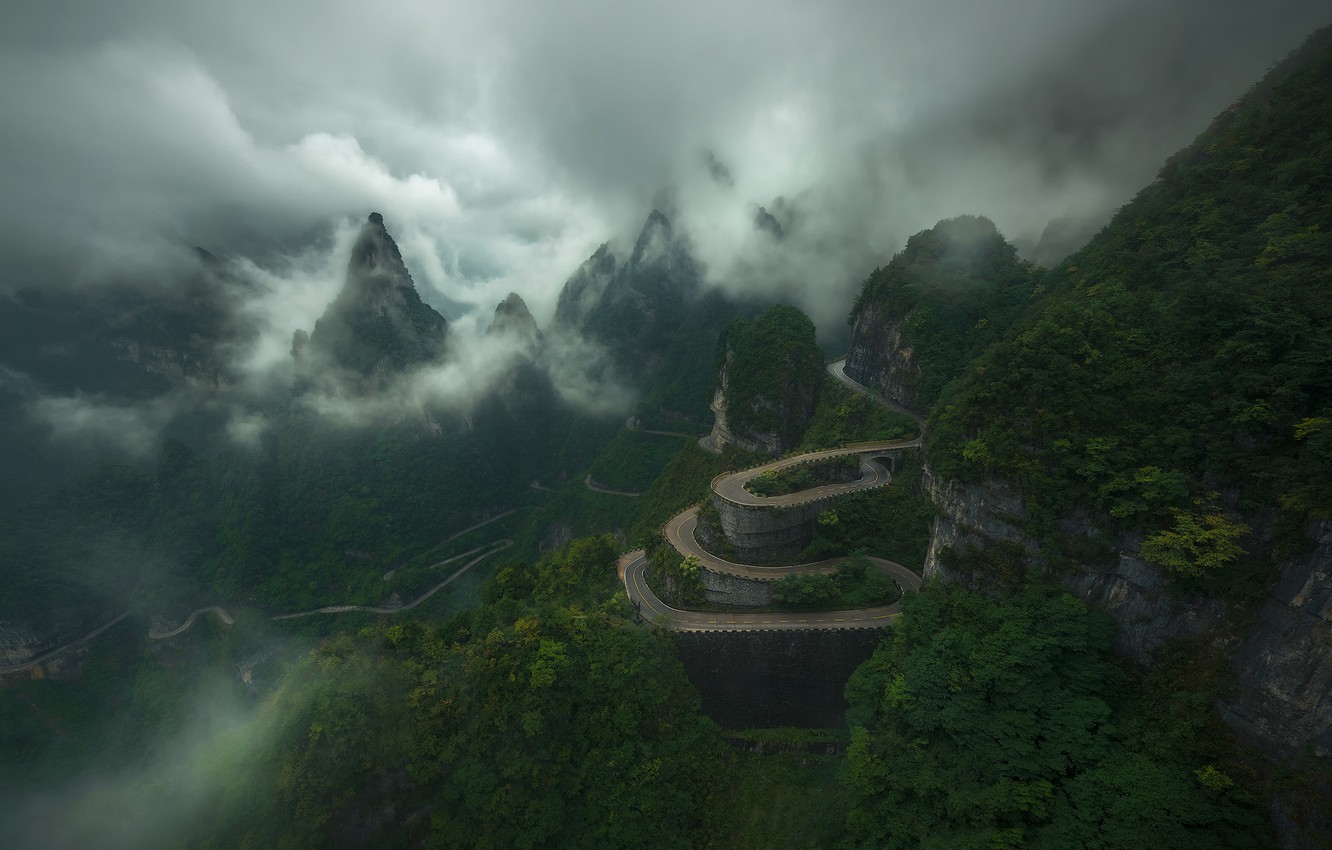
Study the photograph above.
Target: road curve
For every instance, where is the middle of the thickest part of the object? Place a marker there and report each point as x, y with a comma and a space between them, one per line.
497, 546
679, 533
592, 484
46, 656
653, 610
189, 621
489, 549
731, 486
837, 369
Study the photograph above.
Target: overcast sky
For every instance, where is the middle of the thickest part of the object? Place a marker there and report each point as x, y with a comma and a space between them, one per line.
504, 140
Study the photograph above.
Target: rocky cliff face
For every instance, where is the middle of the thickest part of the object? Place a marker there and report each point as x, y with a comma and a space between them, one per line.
584, 288
378, 326
764, 394
788, 414
1283, 663
879, 358
512, 319
1133, 592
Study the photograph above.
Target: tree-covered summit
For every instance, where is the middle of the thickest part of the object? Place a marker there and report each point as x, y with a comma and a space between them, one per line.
938, 304
769, 368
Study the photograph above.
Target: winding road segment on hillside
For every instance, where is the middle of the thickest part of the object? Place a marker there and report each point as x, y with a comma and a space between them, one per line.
652, 609
679, 533
731, 486
837, 369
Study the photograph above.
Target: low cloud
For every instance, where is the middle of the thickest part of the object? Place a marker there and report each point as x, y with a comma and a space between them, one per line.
93, 423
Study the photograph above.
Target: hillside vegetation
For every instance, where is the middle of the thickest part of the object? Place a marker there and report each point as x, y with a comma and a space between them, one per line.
954, 289
1175, 374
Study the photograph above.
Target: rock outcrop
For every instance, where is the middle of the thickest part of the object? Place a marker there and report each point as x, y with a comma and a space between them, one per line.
513, 320
378, 326
879, 357
937, 304
765, 386
1136, 594
1284, 664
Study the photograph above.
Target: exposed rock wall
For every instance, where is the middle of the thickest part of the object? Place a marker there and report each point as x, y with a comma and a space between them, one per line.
1284, 664
1129, 589
792, 412
722, 589
878, 359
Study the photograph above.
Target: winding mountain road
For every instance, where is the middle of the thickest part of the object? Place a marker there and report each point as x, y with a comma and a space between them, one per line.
837, 369
652, 609
731, 486
46, 656
189, 621
679, 533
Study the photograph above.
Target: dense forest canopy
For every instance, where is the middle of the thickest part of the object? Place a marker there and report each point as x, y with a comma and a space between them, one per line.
955, 288
1175, 373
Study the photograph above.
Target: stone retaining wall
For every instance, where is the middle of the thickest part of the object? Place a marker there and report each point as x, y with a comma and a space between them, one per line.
763, 535
722, 589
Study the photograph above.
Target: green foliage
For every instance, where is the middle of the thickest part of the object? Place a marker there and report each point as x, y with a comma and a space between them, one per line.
680, 580
779, 801
856, 584
803, 476
550, 723
842, 416
1197, 544
891, 522
805, 590
1008, 725
633, 460
684, 480
1185, 350
772, 367
955, 289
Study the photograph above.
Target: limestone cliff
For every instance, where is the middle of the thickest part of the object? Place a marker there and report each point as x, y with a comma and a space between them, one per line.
512, 319
765, 386
1284, 664
1282, 655
378, 326
879, 357
941, 300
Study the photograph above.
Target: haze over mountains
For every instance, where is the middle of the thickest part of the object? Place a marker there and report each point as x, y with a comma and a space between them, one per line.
353, 414
505, 152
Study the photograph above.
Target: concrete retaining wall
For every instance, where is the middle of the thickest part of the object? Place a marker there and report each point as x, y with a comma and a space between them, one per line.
774, 678
733, 590
763, 535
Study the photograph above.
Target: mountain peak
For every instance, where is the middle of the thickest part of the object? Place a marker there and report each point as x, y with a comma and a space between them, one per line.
512, 317
378, 321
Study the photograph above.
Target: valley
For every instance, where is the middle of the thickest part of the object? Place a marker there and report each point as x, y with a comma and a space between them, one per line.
545, 514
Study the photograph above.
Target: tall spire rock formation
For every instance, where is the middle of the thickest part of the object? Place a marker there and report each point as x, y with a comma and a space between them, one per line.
634, 306
513, 319
378, 326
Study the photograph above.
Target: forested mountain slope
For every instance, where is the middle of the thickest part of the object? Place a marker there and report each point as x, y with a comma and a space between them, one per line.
1157, 428
952, 291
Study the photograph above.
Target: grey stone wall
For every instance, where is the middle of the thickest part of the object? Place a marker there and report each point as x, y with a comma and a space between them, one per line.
764, 535
733, 590
1136, 594
777, 678
878, 359
1284, 664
